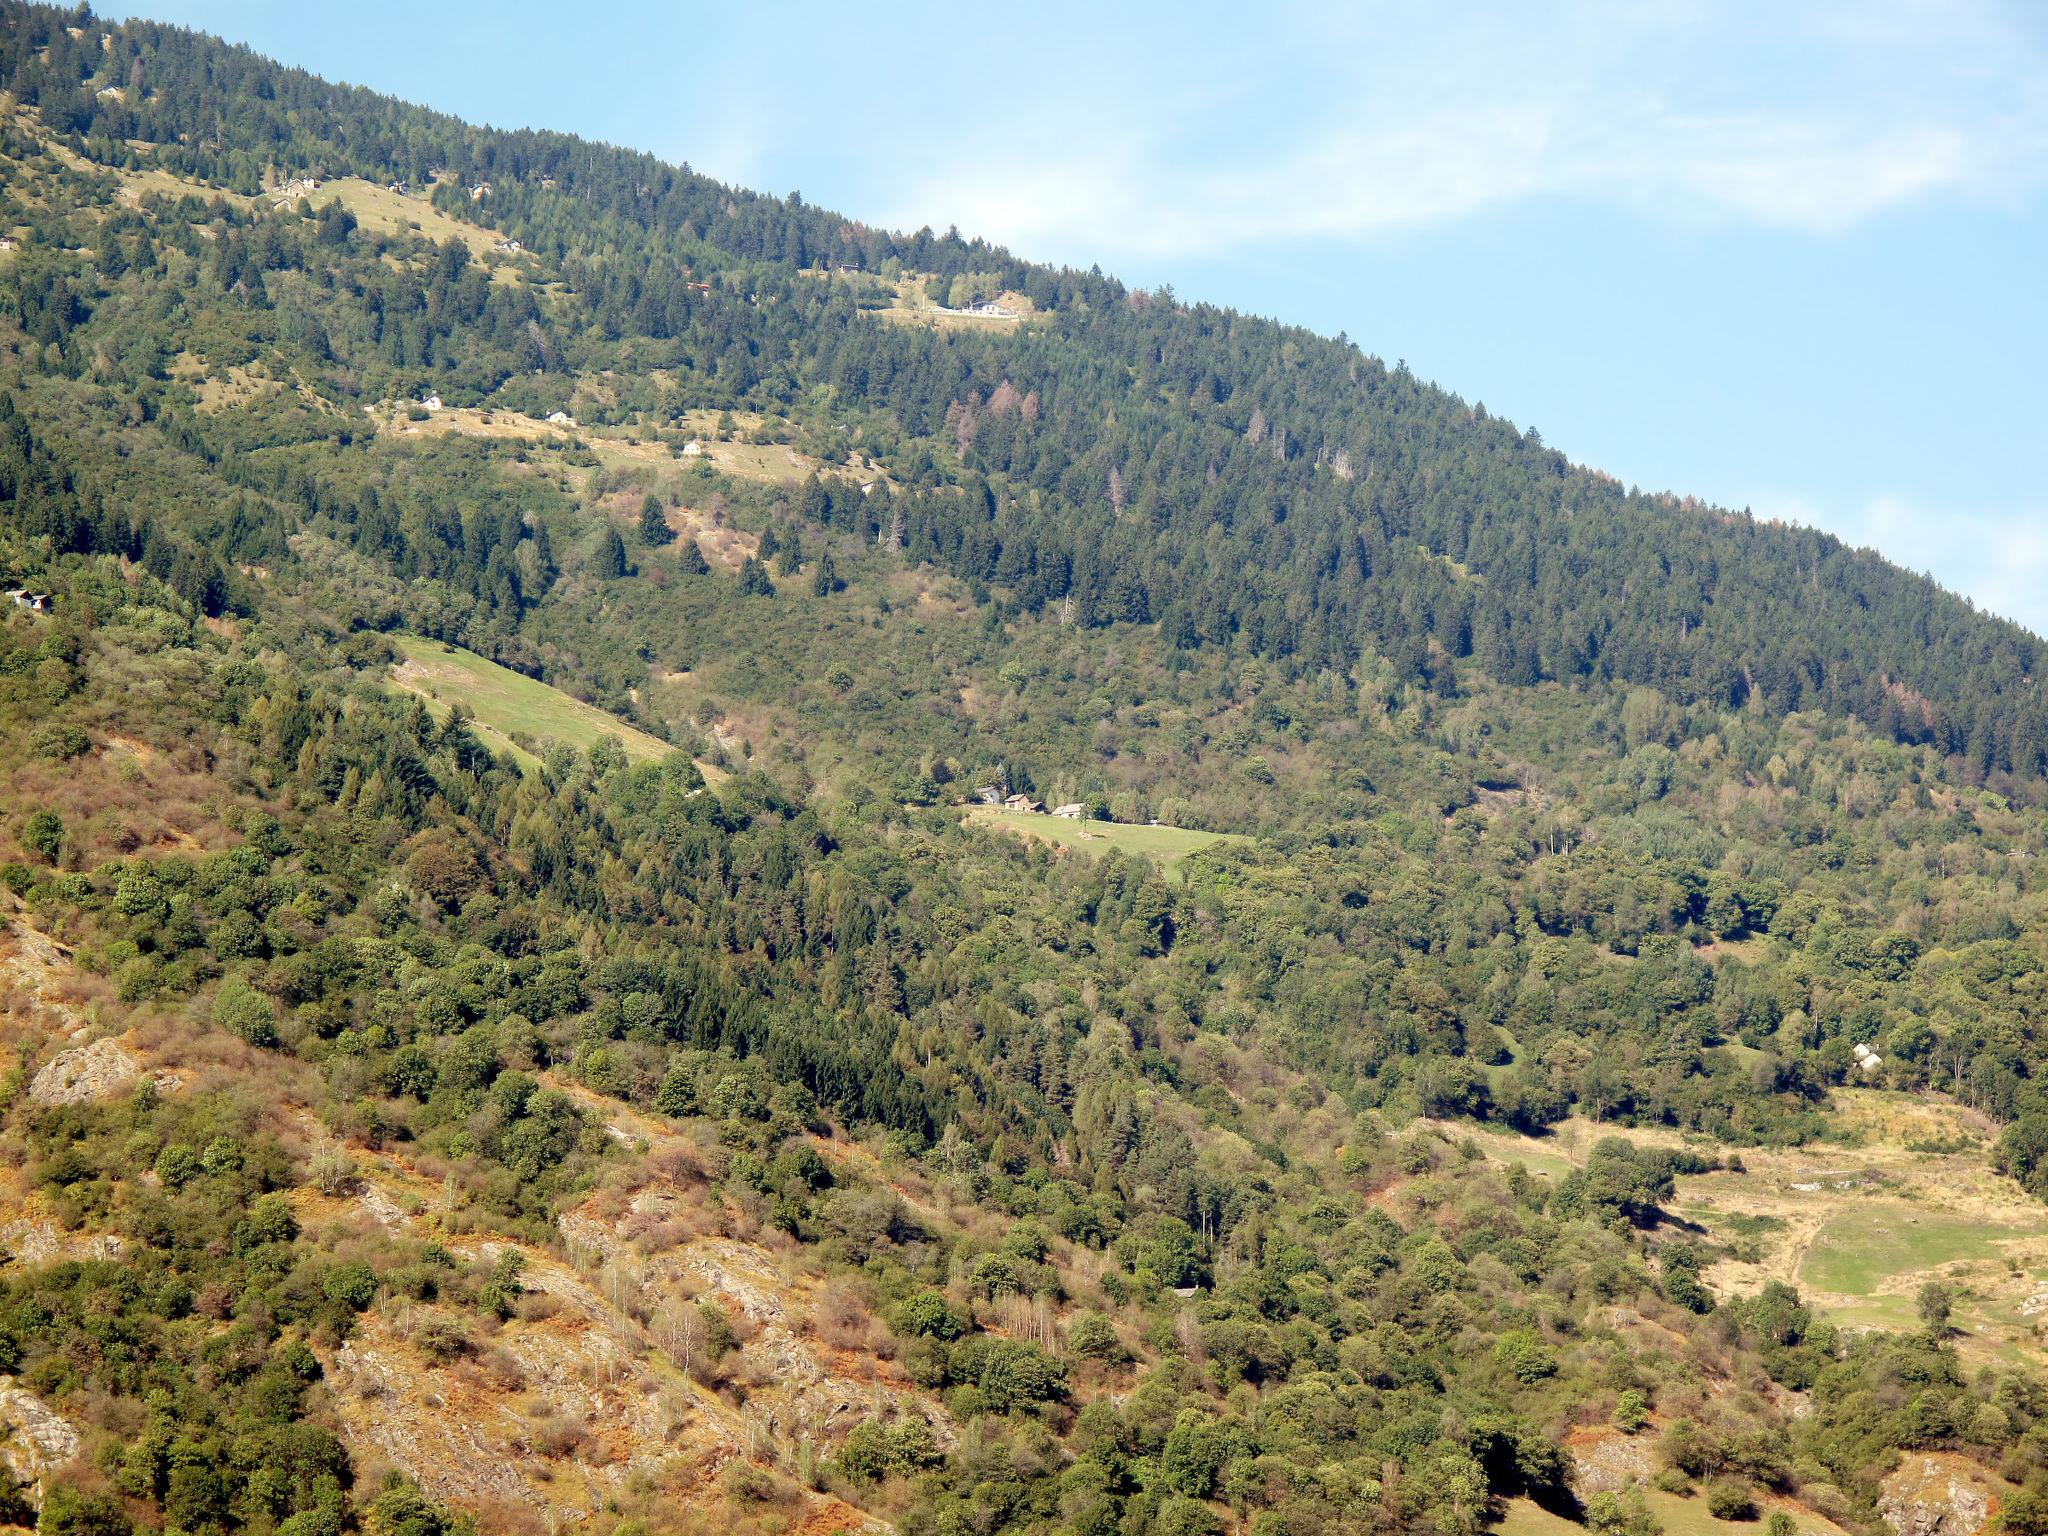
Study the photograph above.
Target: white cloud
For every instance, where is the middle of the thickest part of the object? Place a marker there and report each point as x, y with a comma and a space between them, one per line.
1812, 120
1997, 558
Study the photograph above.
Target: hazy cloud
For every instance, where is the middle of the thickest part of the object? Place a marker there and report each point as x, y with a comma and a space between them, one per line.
1999, 558
1804, 118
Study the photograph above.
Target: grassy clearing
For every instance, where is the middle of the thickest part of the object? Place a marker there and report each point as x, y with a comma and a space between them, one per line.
915, 304
1528, 1153
1858, 1250
774, 463
1857, 1229
510, 709
1675, 1516
389, 213
1165, 846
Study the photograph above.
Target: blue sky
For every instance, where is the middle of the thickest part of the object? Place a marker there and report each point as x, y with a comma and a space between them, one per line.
1787, 257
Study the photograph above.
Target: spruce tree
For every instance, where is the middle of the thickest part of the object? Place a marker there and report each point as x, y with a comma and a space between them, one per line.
655, 532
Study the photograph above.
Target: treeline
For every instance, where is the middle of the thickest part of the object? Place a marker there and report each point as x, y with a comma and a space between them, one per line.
1130, 458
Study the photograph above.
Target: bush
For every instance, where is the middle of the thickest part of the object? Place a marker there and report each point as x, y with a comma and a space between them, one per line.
1525, 1356
926, 1315
1632, 1412
1728, 1500
241, 1010
873, 1451
43, 833
352, 1285
677, 1094
1094, 1337
61, 741
1620, 1514
1182, 1516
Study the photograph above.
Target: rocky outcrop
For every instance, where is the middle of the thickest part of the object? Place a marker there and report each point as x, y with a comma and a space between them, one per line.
1937, 1494
34, 1240
86, 1073
1604, 1460
34, 1440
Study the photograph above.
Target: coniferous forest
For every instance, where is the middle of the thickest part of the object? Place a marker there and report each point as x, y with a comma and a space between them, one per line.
513, 1009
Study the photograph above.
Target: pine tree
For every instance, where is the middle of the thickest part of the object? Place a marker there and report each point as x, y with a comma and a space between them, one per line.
611, 557
655, 532
824, 578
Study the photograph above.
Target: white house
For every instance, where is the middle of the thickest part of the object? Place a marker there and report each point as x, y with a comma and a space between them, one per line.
1074, 812
430, 402
693, 449
561, 419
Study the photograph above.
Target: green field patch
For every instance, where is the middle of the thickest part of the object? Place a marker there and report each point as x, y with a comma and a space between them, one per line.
1675, 1516
511, 710
1164, 846
1861, 1248
391, 213
1497, 1071
1526, 1153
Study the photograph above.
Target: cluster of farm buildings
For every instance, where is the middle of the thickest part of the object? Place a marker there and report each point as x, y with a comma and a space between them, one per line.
990, 794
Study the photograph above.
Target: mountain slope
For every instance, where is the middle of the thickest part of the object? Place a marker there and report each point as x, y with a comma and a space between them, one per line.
1608, 1051
1224, 476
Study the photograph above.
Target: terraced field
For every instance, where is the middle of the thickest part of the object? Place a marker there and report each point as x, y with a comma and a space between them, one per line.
511, 710
1859, 1226
1165, 846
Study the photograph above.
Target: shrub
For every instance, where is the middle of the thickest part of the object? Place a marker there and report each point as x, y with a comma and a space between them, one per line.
1182, 1516
1620, 1514
43, 833
61, 741
352, 1285
241, 1010
926, 1315
1525, 1356
332, 1170
442, 1338
874, 1451
1094, 1337
734, 1097
1728, 1500
178, 1166
1632, 1412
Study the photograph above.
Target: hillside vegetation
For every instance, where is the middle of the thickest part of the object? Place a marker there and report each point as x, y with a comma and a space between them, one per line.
514, 1018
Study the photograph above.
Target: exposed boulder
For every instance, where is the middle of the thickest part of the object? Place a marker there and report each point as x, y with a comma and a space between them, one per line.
34, 1439
85, 1073
1938, 1494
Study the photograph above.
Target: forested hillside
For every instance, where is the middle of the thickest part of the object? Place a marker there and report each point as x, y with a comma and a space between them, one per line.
1148, 460
1589, 1071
